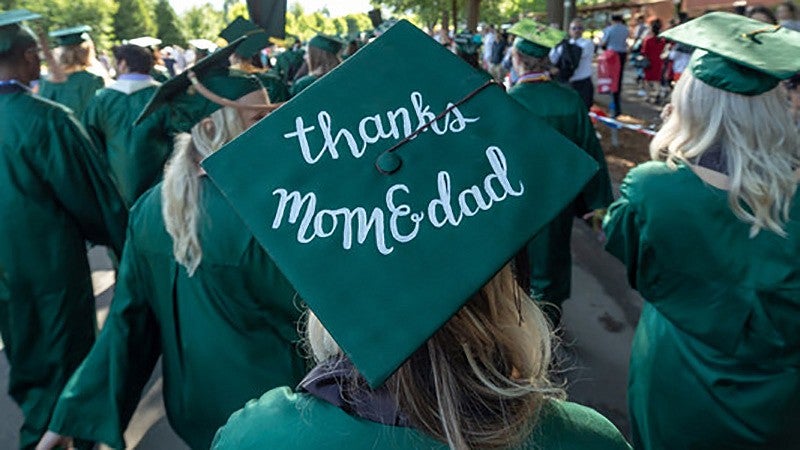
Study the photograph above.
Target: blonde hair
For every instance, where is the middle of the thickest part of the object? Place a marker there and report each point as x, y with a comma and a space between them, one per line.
481, 380
527, 63
761, 147
321, 62
180, 191
77, 57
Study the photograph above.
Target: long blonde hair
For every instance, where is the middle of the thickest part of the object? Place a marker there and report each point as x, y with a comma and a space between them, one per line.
481, 380
180, 191
759, 141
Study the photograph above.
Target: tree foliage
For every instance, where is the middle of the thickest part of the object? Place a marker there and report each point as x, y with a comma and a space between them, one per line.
56, 14
169, 27
134, 19
203, 22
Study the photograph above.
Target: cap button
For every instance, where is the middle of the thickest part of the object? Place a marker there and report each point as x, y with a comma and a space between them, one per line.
388, 163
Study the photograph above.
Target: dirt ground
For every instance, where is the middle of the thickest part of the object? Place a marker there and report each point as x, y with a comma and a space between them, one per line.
632, 150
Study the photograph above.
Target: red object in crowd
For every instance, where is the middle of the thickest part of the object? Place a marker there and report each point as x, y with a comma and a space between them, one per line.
608, 72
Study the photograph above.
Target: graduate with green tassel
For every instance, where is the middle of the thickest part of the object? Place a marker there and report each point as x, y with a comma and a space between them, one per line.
562, 108
710, 234
75, 54
194, 288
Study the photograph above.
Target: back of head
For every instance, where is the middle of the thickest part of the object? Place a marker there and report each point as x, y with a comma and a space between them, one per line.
481, 379
760, 143
15, 40
655, 26
138, 59
76, 57
320, 61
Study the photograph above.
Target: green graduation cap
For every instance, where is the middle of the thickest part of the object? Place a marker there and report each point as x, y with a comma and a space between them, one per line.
388, 213
738, 54
256, 37
12, 29
468, 43
214, 84
72, 36
330, 44
535, 39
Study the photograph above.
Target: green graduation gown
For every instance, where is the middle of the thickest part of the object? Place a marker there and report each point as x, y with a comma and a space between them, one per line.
297, 421
73, 93
301, 84
225, 335
55, 195
135, 155
549, 251
276, 88
715, 361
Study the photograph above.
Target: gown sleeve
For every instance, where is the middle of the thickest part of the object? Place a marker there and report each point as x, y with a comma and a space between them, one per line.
80, 182
100, 398
622, 230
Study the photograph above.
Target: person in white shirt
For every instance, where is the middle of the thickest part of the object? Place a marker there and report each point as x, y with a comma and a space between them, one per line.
581, 79
488, 42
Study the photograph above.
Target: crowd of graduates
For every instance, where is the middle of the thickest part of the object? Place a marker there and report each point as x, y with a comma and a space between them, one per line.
428, 317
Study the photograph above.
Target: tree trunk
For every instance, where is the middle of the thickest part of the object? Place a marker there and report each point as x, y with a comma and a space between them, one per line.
473, 12
455, 16
445, 21
555, 12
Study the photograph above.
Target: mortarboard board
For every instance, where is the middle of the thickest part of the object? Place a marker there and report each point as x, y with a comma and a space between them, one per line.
11, 28
256, 39
468, 43
214, 85
72, 36
738, 54
535, 39
383, 232
144, 41
330, 44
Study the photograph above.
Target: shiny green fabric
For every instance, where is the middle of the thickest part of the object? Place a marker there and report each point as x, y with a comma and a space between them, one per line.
135, 155
225, 334
549, 252
276, 88
716, 356
75, 93
300, 421
301, 84
160, 74
55, 195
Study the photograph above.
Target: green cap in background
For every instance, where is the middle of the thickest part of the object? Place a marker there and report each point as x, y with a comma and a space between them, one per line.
330, 44
12, 29
256, 38
535, 39
738, 54
468, 43
189, 106
385, 242
72, 36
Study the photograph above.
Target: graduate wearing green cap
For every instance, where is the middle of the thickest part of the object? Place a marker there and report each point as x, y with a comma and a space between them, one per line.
322, 57
56, 195
395, 218
247, 57
563, 109
194, 288
75, 55
710, 233
135, 155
